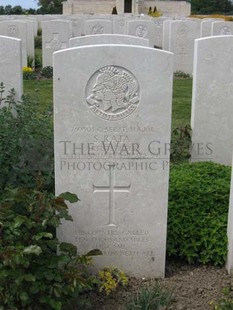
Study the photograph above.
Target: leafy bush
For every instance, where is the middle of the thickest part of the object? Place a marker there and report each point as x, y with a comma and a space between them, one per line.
180, 144
197, 214
38, 61
32, 274
39, 32
47, 72
149, 297
38, 42
181, 74
26, 144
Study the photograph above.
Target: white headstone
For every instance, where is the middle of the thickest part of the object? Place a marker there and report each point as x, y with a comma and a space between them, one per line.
143, 29
182, 36
16, 29
108, 39
77, 27
166, 35
212, 108
11, 66
222, 28
55, 36
206, 26
112, 126
97, 26
119, 25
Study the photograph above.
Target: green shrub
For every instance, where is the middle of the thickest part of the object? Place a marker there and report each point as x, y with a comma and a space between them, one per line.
181, 74
150, 297
197, 214
39, 32
38, 61
47, 72
38, 42
32, 274
180, 144
26, 144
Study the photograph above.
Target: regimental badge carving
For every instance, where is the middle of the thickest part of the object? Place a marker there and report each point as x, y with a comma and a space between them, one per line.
98, 29
12, 30
141, 31
112, 93
56, 44
225, 31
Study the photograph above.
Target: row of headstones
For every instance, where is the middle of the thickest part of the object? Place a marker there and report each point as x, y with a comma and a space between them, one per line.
112, 131
175, 36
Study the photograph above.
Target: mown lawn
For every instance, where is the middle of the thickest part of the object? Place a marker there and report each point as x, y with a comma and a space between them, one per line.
182, 94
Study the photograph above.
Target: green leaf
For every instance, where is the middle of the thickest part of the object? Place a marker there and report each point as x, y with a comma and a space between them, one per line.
69, 197
94, 252
29, 278
23, 296
32, 249
43, 235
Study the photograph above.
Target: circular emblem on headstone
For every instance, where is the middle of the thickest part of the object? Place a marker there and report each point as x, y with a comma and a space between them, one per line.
112, 93
55, 44
98, 29
225, 31
141, 31
12, 30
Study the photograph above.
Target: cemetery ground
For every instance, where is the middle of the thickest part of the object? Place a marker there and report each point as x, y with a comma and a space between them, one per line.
195, 286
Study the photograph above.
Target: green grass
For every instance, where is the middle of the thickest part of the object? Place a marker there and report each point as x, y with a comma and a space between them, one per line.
43, 90
182, 94
181, 106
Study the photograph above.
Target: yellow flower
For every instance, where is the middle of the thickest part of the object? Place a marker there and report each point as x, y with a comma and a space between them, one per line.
27, 69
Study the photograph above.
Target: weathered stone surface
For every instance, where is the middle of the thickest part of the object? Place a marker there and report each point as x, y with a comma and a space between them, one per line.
112, 133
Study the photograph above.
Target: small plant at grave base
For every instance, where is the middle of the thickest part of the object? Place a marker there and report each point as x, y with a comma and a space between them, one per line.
180, 143
197, 212
182, 75
224, 303
30, 61
47, 72
32, 274
151, 297
28, 73
38, 42
109, 279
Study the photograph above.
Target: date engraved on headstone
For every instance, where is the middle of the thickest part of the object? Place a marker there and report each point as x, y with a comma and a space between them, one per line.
112, 93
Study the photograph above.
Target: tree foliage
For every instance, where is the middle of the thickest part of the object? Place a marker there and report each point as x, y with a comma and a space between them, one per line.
50, 6
211, 6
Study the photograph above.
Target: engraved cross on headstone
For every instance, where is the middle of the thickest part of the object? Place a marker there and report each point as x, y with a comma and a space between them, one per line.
111, 189
56, 44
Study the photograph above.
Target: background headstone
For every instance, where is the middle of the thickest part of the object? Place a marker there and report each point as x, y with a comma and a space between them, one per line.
212, 108
16, 29
55, 36
182, 36
108, 39
97, 26
11, 65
